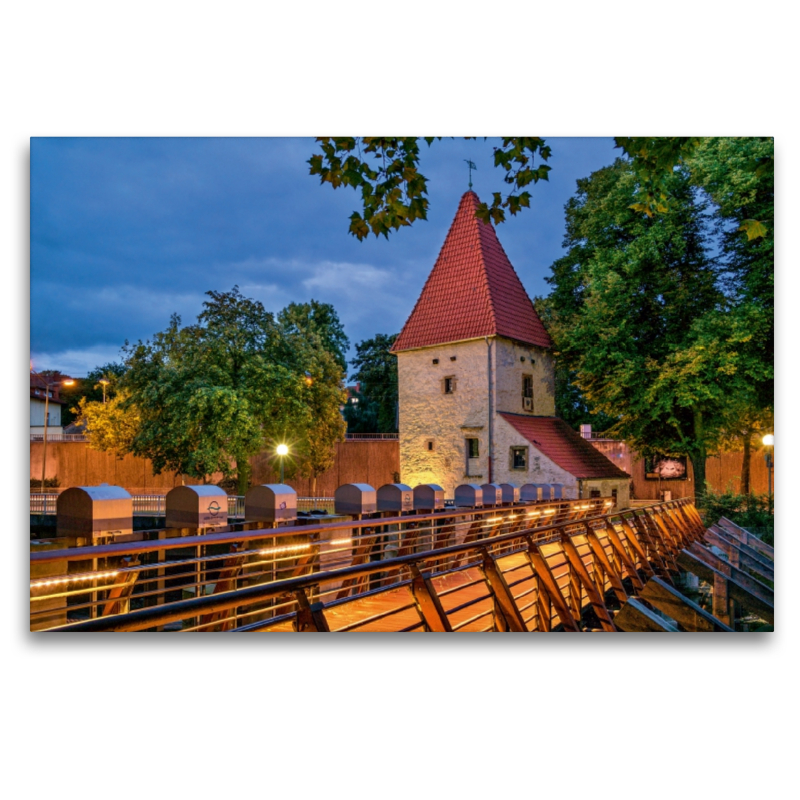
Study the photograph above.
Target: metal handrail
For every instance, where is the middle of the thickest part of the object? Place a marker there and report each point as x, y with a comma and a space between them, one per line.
367, 437
60, 437
674, 521
321, 551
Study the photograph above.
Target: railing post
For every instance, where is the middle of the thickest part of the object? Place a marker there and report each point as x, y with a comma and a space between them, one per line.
546, 578
310, 616
504, 600
428, 604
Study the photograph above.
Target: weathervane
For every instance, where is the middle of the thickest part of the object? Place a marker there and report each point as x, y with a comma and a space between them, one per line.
471, 167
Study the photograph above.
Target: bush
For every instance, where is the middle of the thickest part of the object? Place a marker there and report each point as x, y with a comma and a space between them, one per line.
49, 483
750, 511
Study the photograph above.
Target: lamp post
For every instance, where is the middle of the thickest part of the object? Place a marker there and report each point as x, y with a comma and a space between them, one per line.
282, 450
769, 443
103, 382
47, 385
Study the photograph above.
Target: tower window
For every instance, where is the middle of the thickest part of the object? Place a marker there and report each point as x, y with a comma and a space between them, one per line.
430, 445
449, 385
527, 386
472, 448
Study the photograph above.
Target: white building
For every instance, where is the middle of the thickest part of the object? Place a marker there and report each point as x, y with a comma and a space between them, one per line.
476, 380
54, 403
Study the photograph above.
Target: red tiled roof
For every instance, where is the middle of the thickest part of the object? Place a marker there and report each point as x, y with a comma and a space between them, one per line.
472, 291
564, 446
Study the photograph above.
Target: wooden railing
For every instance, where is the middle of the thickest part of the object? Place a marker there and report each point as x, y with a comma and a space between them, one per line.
171, 565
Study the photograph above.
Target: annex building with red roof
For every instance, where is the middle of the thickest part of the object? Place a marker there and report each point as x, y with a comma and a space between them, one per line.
476, 379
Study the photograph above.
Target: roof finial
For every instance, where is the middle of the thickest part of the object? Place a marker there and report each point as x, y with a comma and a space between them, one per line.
471, 167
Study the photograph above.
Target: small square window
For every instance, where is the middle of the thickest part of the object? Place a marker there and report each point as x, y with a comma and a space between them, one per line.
472, 448
430, 445
519, 458
594, 493
449, 385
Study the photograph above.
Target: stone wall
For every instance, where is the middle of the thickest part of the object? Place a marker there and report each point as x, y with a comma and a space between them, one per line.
434, 425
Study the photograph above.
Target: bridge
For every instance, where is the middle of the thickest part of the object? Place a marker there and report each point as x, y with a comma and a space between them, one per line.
573, 565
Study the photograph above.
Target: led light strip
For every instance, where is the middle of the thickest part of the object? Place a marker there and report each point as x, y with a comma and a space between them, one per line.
289, 548
97, 576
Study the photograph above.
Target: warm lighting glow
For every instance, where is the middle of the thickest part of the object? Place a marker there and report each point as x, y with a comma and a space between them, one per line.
340, 541
289, 548
95, 576
68, 382
309, 380
549, 511
534, 514
769, 440
104, 382
282, 450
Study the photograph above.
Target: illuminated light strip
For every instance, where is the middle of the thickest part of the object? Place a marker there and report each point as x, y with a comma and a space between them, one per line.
340, 541
97, 576
549, 511
534, 514
289, 548
494, 519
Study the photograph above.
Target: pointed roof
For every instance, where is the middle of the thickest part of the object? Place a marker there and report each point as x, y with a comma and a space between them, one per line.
565, 447
472, 291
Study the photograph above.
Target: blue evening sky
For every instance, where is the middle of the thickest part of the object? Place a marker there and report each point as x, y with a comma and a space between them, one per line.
124, 232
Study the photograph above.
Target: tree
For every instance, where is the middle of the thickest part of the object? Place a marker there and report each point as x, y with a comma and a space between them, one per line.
110, 426
376, 373
212, 394
90, 389
394, 192
320, 319
640, 316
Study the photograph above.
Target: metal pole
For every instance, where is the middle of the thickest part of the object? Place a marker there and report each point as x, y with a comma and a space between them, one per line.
44, 453
281, 469
769, 474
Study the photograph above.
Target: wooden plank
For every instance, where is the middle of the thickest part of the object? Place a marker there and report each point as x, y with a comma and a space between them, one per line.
544, 606
428, 603
752, 584
748, 538
504, 600
635, 617
688, 614
740, 555
622, 554
633, 539
595, 598
546, 578
613, 576
752, 602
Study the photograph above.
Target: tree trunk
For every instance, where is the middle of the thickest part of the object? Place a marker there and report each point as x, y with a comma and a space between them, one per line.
698, 457
746, 463
243, 474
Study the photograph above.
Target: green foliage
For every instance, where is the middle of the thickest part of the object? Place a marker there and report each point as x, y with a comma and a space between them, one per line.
750, 511
49, 483
90, 389
639, 314
393, 190
212, 394
110, 426
320, 319
376, 373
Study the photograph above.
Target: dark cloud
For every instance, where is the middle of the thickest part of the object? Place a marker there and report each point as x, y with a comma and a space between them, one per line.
125, 232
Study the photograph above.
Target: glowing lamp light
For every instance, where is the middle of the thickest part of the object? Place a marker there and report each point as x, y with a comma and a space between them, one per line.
282, 450
769, 440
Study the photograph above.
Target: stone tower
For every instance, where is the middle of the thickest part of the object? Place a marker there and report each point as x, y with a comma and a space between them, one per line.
476, 379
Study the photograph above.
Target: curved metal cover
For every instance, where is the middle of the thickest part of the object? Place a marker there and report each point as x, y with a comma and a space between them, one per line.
395, 497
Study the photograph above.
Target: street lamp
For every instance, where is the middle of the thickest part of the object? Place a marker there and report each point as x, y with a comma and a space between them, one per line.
282, 450
769, 443
103, 382
47, 385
